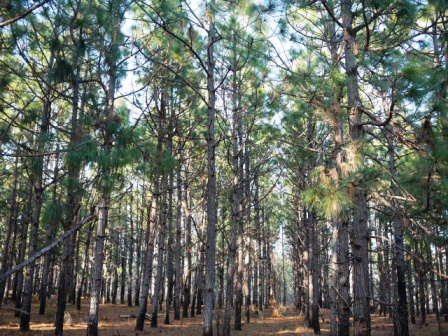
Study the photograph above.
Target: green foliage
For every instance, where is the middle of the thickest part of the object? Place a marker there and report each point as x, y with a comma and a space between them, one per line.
328, 195
53, 213
62, 70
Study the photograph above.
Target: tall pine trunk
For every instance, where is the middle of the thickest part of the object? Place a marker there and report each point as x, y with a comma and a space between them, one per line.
402, 308
8, 248
38, 186
209, 290
51, 233
105, 175
359, 231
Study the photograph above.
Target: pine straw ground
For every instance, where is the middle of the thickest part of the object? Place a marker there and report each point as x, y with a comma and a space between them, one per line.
288, 322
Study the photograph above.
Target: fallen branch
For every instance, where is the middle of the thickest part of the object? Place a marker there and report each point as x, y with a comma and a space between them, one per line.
381, 302
46, 249
15, 309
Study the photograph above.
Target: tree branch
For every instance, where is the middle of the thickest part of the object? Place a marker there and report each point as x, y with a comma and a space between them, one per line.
21, 16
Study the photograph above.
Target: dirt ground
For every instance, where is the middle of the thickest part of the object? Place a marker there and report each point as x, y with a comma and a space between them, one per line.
289, 322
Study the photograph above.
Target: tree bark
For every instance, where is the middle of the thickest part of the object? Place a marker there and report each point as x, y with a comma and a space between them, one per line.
131, 253
8, 248
402, 309
210, 251
169, 253
158, 281
83, 269
38, 201
22, 249
151, 229
359, 240
314, 272
105, 189
51, 233
178, 252
188, 251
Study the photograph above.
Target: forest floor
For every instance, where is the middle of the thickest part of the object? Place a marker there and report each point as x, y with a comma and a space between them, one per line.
288, 322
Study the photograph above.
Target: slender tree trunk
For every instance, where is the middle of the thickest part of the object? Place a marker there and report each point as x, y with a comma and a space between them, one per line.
411, 291
402, 309
23, 239
51, 233
151, 225
257, 251
178, 252
73, 191
8, 248
200, 277
381, 274
210, 251
420, 273
15, 239
131, 253
221, 268
306, 265
74, 267
158, 283
104, 193
188, 250
432, 282
231, 263
196, 280
314, 272
83, 269
123, 270
442, 281
38, 201
114, 266
103, 209
169, 254
138, 267
247, 238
